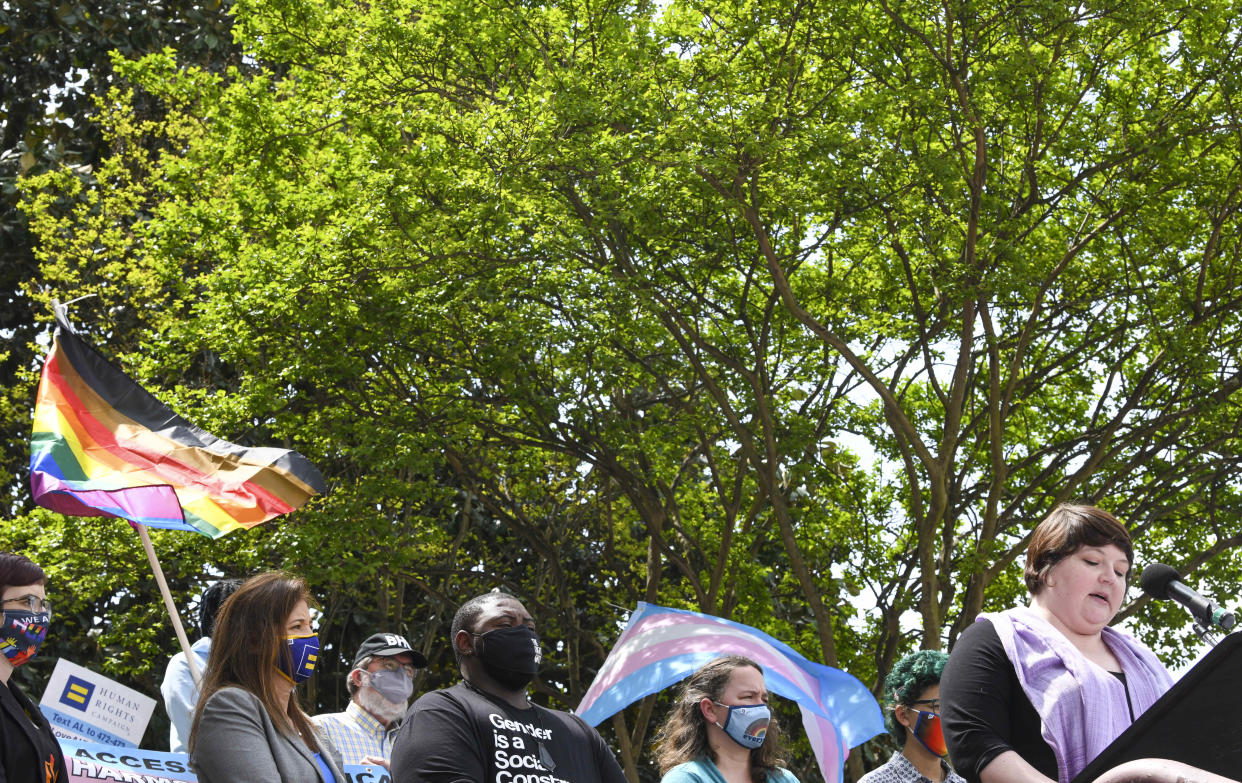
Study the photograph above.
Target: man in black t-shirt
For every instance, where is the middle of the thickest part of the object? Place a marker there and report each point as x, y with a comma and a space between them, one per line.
484, 729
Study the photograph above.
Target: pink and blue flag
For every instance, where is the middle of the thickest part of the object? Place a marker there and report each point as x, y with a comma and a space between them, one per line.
662, 646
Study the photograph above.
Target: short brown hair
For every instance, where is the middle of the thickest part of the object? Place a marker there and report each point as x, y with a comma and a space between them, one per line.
18, 571
1066, 530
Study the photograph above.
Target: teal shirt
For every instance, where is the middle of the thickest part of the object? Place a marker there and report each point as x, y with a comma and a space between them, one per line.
703, 770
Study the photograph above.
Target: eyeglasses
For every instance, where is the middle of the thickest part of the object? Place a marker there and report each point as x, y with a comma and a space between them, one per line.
932, 704
32, 602
392, 665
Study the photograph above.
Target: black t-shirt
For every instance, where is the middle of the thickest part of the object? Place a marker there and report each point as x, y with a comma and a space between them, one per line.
983, 709
460, 735
29, 752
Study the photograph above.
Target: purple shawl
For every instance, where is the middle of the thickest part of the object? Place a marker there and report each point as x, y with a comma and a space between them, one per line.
1081, 706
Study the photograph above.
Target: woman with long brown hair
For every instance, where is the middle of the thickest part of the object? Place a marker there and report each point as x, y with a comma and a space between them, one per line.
720, 730
248, 724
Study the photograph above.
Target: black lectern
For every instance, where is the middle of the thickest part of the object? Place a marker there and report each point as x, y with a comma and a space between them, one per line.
1198, 722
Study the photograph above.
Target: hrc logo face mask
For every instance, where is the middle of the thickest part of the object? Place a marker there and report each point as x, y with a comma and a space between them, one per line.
22, 633
298, 663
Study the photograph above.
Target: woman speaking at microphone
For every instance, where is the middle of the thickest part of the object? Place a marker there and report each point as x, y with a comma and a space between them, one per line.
720, 730
1032, 695
248, 725
29, 752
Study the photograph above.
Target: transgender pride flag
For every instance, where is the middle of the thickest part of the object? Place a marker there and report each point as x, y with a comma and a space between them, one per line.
662, 646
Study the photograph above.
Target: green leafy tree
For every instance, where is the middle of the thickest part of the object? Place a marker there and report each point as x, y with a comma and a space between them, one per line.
797, 313
56, 62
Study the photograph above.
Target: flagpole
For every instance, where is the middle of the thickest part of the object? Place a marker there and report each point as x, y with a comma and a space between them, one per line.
168, 601
126, 484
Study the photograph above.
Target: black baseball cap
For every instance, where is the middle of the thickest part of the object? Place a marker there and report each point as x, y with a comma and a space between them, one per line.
388, 644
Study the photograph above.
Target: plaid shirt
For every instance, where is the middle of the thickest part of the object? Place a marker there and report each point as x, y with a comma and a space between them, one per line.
899, 769
357, 734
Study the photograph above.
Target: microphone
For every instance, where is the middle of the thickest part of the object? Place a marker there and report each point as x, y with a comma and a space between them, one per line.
1162, 583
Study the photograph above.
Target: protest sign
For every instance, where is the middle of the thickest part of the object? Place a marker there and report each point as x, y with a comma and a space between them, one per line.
366, 773
91, 762
88, 762
83, 705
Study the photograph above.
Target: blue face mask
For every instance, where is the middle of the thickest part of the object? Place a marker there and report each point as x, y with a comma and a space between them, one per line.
747, 724
299, 664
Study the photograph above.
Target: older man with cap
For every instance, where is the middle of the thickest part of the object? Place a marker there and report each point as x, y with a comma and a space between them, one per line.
380, 685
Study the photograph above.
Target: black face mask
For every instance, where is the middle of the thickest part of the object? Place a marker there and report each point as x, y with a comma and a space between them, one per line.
510, 656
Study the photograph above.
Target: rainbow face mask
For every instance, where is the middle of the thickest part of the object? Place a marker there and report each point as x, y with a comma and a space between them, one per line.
22, 633
930, 735
747, 724
299, 664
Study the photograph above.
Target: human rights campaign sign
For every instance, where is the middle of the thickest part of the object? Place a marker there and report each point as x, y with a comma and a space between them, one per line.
83, 705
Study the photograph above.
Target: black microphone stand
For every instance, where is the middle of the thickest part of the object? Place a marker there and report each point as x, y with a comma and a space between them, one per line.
1206, 634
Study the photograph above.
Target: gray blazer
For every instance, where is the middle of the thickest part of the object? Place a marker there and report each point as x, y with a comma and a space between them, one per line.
238, 743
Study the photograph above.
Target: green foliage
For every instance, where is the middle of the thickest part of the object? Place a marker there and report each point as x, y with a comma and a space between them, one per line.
801, 314
57, 59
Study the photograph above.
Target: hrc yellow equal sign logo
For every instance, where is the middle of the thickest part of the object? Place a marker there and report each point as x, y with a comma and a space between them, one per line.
77, 693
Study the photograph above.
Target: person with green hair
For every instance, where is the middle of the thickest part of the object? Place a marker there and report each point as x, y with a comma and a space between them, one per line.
913, 690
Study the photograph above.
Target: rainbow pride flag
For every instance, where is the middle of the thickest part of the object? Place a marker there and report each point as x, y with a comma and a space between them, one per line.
662, 646
104, 446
